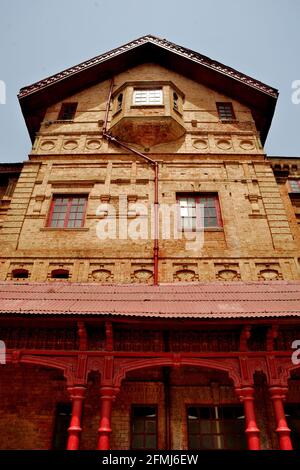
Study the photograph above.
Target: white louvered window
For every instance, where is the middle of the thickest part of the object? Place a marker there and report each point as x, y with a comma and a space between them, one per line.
144, 97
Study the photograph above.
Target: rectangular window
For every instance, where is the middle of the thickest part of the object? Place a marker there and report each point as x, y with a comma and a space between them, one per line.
62, 423
216, 427
198, 210
147, 97
67, 112
294, 186
292, 413
225, 111
144, 427
67, 211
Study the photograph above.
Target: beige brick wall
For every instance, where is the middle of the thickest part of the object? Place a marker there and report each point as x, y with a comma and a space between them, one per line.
257, 240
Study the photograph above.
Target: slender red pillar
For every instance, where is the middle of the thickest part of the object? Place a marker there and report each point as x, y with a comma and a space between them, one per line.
107, 395
77, 395
277, 396
246, 395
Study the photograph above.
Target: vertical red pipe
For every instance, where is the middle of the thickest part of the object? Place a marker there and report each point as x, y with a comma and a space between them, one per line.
277, 395
107, 107
246, 395
77, 396
156, 225
115, 140
107, 395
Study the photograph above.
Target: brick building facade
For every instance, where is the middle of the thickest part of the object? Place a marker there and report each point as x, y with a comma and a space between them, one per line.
164, 341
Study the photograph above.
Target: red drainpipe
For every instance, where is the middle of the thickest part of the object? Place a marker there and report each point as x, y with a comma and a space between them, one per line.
116, 141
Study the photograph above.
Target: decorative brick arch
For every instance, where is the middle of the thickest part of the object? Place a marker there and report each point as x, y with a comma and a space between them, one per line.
176, 361
66, 368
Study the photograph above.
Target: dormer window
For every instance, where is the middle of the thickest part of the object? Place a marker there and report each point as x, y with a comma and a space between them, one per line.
148, 97
225, 111
147, 112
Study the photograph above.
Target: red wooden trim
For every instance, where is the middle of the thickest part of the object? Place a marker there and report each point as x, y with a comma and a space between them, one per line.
70, 198
49, 220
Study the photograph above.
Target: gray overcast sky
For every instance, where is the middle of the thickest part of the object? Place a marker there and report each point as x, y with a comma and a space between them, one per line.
41, 37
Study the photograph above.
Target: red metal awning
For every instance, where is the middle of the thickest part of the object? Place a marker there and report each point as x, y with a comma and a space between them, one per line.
207, 300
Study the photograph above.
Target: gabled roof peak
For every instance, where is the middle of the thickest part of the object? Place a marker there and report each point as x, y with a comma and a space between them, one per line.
261, 98
158, 42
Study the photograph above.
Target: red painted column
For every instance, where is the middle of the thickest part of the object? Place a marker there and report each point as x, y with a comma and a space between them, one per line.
252, 431
277, 396
77, 395
107, 396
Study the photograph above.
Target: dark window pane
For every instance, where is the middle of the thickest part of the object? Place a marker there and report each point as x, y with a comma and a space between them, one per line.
150, 441
150, 426
62, 422
204, 413
205, 426
194, 442
194, 427
144, 427
144, 411
67, 111
138, 426
208, 442
216, 427
225, 111
138, 441
292, 412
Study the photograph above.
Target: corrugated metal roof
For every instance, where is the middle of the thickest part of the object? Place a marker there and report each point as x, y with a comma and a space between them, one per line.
177, 300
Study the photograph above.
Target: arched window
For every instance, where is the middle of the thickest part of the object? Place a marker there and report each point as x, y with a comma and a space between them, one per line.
20, 273
60, 274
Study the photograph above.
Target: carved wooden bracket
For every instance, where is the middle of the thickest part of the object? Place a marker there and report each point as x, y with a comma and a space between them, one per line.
82, 333
272, 334
244, 336
109, 340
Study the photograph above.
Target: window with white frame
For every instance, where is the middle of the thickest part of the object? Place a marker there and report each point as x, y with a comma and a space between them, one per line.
146, 97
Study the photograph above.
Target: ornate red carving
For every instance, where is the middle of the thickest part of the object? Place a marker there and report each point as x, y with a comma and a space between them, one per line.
272, 334
245, 335
82, 333
109, 343
81, 370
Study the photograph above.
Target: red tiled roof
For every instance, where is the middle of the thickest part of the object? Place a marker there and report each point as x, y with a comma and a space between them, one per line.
208, 300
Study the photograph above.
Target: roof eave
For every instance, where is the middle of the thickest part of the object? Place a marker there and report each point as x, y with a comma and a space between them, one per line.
258, 96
